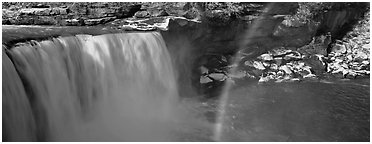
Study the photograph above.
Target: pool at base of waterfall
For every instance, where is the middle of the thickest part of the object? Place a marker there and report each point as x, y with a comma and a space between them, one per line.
306, 111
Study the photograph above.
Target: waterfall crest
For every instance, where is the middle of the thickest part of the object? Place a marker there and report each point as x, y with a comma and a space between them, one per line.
114, 87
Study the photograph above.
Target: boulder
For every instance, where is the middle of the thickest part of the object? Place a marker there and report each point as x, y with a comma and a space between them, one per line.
142, 14
258, 65
292, 56
264, 79
266, 64
204, 79
257, 72
317, 66
274, 67
360, 56
158, 13
339, 48
278, 60
286, 69
238, 74
266, 57
218, 76
280, 51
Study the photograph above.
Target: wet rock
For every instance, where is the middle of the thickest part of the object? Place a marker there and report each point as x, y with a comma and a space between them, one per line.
204, 70
217, 17
266, 57
278, 60
158, 13
294, 80
40, 6
218, 76
317, 66
58, 11
361, 72
339, 48
338, 60
142, 14
35, 11
274, 66
264, 79
280, 51
360, 56
292, 56
91, 22
305, 71
265, 64
248, 63
192, 14
238, 74
45, 20
257, 72
349, 58
127, 10
286, 69
310, 75
280, 73
365, 62
74, 22
366, 46
339, 69
205, 79
258, 65
150, 24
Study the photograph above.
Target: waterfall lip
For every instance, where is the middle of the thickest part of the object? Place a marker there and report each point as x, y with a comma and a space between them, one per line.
14, 35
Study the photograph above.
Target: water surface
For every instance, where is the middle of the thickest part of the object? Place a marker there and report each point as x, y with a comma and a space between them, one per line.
304, 111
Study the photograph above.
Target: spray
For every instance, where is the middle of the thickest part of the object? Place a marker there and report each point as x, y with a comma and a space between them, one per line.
218, 128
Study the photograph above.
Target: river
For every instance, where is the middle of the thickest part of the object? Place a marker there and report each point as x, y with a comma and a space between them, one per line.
305, 111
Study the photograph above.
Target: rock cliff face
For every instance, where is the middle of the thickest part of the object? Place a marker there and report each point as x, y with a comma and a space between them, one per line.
66, 13
276, 41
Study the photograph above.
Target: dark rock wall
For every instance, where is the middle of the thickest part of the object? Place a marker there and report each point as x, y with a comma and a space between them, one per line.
340, 18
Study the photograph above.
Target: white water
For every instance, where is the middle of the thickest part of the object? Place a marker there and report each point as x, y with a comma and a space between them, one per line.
116, 87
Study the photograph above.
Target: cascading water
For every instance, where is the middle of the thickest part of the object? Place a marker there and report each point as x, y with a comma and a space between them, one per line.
114, 87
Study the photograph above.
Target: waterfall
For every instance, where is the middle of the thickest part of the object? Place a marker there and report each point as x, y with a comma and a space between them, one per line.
113, 87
